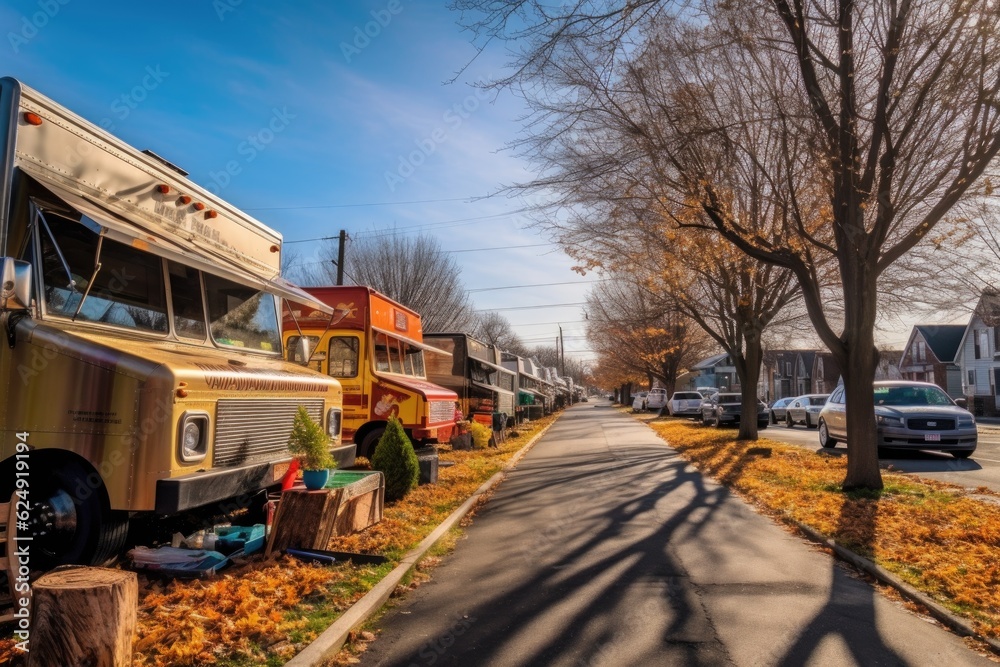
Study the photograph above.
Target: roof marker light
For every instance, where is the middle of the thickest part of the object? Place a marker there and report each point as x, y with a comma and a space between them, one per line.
198, 206
275, 248
32, 118
184, 199
163, 189
211, 214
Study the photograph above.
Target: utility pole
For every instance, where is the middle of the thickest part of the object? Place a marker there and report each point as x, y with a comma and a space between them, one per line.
340, 256
562, 354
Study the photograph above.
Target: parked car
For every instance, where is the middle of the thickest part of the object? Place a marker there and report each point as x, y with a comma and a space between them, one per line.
656, 399
723, 409
805, 410
777, 409
639, 401
685, 404
908, 415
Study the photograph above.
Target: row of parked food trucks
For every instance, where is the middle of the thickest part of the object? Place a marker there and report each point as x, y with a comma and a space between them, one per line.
154, 359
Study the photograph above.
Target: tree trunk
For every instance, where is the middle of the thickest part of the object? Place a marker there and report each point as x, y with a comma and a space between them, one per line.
84, 616
748, 368
858, 360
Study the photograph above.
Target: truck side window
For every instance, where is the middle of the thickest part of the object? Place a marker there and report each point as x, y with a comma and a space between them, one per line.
343, 357
381, 353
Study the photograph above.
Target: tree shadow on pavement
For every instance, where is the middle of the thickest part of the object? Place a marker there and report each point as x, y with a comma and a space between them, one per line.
849, 612
601, 587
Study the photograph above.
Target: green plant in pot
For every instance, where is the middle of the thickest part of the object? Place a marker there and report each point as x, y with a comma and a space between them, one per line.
310, 444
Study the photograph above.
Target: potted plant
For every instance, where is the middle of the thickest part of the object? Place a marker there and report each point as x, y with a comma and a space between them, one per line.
311, 446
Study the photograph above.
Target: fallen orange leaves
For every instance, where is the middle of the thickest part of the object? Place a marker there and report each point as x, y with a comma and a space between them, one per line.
937, 537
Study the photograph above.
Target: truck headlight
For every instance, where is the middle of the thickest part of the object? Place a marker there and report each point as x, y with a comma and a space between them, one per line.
966, 422
885, 420
333, 419
193, 436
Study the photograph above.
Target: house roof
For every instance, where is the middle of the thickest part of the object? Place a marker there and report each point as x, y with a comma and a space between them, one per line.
710, 362
943, 339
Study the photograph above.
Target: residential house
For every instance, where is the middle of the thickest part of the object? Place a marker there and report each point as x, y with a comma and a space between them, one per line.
825, 373
803, 371
888, 365
717, 372
976, 356
929, 356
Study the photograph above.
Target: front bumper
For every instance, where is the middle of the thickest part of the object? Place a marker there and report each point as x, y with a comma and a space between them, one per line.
894, 437
203, 488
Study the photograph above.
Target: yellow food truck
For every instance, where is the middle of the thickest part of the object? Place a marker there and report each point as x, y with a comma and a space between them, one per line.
141, 360
374, 346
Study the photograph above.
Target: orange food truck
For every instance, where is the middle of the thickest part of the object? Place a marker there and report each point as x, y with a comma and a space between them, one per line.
374, 347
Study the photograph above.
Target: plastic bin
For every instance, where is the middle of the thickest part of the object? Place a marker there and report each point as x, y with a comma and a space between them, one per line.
234, 538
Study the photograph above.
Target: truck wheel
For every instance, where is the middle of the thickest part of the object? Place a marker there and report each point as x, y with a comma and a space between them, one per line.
70, 520
367, 447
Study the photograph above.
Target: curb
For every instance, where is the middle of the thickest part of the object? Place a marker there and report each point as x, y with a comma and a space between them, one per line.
939, 613
329, 643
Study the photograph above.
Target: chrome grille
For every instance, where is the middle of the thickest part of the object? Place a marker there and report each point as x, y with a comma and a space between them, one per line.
441, 411
251, 431
924, 424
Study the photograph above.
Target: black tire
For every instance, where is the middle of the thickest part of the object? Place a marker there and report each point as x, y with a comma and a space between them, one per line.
367, 447
771, 417
824, 436
762, 425
810, 424
963, 453
71, 521
788, 420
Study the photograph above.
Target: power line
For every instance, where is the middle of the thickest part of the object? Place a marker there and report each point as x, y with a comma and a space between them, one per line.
396, 230
382, 203
549, 305
571, 282
506, 247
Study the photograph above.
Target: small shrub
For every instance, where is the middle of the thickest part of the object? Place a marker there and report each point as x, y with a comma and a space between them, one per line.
309, 443
395, 458
481, 435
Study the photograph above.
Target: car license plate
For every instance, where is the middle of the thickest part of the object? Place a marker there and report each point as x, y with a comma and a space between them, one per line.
279, 471
932, 437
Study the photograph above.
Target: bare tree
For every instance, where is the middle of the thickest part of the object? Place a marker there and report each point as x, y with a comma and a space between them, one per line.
637, 331
880, 118
412, 270
495, 329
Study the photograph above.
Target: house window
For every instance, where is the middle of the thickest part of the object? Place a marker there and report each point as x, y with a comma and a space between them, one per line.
788, 369
920, 351
972, 378
819, 371
982, 340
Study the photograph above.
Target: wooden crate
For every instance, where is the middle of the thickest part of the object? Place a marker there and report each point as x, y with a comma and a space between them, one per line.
351, 502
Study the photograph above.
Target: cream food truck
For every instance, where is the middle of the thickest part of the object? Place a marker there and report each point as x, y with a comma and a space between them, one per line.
142, 357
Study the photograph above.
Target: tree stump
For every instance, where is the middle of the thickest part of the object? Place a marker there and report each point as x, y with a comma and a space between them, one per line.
83, 616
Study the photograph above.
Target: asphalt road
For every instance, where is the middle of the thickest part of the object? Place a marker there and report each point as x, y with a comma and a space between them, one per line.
983, 469
603, 548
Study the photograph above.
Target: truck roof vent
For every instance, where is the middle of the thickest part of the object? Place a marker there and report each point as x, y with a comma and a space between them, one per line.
164, 162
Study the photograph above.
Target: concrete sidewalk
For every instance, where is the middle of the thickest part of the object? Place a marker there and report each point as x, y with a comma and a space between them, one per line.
604, 548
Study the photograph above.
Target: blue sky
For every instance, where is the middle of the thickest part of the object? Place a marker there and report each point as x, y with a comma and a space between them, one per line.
314, 117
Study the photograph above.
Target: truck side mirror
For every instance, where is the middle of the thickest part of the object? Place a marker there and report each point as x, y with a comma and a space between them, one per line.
962, 403
15, 284
302, 351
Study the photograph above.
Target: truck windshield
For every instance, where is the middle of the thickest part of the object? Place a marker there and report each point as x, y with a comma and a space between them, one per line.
128, 290
242, 316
